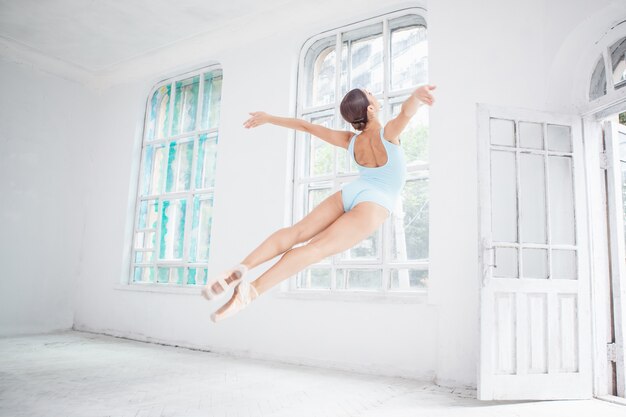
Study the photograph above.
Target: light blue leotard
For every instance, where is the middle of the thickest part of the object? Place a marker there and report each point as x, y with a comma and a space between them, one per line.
382, 184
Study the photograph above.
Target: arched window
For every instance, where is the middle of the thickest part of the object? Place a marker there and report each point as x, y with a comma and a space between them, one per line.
616, 61
387, 55
174, 205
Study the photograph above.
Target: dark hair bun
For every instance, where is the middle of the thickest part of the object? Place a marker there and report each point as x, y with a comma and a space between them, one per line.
353, 108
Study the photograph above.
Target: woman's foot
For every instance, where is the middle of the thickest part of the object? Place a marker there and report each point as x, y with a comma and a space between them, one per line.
243, 295
217, 287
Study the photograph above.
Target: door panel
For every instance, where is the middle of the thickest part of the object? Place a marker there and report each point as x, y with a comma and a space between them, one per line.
534, 321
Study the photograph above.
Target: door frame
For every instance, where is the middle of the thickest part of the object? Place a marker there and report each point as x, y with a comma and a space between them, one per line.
598, 242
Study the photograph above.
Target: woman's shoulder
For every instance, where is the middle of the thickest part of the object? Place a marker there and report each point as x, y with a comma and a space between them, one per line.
394, 141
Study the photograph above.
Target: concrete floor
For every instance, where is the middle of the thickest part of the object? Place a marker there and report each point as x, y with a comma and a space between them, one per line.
70, 374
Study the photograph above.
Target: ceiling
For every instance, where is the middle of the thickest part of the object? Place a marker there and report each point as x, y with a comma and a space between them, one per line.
96, 35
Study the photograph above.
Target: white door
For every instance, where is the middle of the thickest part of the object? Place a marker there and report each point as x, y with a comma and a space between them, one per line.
615, 144
533, 256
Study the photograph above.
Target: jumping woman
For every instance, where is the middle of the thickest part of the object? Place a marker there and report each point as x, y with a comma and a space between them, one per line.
344, 218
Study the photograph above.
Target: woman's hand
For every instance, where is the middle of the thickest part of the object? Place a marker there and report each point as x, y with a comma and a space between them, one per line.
423, 94
258, 118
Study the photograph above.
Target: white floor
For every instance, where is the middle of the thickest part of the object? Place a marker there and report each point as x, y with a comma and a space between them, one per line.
80, 374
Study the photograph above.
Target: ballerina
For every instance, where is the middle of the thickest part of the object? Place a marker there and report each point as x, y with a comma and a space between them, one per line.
344, 218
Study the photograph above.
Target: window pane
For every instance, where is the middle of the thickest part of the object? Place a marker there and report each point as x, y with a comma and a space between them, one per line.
185, 105
321, 153
409, 57
360, 279
201, 227
143, 274
170, 275
414, 137
320, 63
148, 214
618, 62
153, 170
158, 114
172, 228
409, 226
367, 249
207, 161
405, 279
365, 53
318, 278
144, 257
597, 87
211, 98
197, 276
179, 166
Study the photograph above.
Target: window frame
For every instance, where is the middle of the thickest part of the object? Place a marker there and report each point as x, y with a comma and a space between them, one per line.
194, 135
388, 99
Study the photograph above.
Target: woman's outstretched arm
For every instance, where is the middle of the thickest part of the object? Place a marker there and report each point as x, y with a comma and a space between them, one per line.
339, 138
421, 95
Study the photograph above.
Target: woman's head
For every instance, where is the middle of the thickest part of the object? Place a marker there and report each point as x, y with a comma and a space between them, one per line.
358, 107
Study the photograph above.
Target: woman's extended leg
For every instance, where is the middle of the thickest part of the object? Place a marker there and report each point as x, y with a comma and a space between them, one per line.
349, 229
283, 239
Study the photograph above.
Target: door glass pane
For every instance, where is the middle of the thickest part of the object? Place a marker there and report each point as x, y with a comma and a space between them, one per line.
185, 105
617, 52
179, 166
201, 228
532, 198
502, 132
207, 161
531, 135
409, 224
505, 263
503, 196
158, 113
406, 279
535, 263
564, 264
559, 138
172, 229
321, 153
561, 197
211, 98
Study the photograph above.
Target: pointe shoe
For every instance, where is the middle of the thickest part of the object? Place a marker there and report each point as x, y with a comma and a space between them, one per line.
244, 294
227, 279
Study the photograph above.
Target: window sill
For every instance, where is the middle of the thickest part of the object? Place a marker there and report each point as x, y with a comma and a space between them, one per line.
164, 289
413, 297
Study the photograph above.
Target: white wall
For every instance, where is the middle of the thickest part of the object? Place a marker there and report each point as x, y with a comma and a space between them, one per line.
45, 129
523, 54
